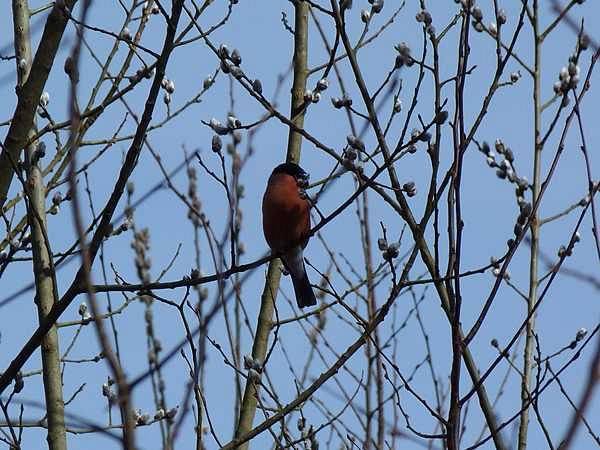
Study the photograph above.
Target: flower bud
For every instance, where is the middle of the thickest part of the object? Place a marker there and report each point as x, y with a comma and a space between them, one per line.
235, 57
322, 84
44, 99
126, 34
257, 86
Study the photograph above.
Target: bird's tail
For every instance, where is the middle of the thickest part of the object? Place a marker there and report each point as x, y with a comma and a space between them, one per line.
303, 290
294, 263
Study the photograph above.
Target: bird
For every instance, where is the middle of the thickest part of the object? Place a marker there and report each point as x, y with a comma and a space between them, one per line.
286, 225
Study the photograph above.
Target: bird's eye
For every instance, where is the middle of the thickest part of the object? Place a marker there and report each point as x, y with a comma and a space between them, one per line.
302, 180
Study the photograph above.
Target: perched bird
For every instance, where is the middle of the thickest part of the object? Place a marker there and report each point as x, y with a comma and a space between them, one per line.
286, 223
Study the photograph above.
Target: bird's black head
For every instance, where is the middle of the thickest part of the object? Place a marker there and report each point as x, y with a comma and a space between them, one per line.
292, 169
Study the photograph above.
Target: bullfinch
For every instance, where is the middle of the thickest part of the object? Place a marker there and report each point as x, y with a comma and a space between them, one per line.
286, 225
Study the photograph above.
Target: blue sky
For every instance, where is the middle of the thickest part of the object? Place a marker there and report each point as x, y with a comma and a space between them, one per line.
255, 28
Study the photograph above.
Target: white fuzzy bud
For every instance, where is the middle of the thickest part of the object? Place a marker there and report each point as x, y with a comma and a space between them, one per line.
581, 333
44, 99
126, 34
171, 412
233, 122
322, 84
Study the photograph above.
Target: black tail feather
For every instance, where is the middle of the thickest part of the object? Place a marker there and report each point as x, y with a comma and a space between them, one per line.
303, 290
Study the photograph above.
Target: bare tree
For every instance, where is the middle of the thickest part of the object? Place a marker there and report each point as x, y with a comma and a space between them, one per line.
454, 244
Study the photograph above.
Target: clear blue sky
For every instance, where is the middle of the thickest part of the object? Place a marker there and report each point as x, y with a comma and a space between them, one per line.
255, 28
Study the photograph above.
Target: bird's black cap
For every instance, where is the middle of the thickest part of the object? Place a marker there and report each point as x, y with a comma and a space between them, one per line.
292, 169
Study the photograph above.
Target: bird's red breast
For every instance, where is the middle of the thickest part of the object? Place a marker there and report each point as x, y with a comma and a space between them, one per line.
286, 217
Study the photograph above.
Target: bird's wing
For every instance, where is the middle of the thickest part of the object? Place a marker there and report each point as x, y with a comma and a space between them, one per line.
294, 261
